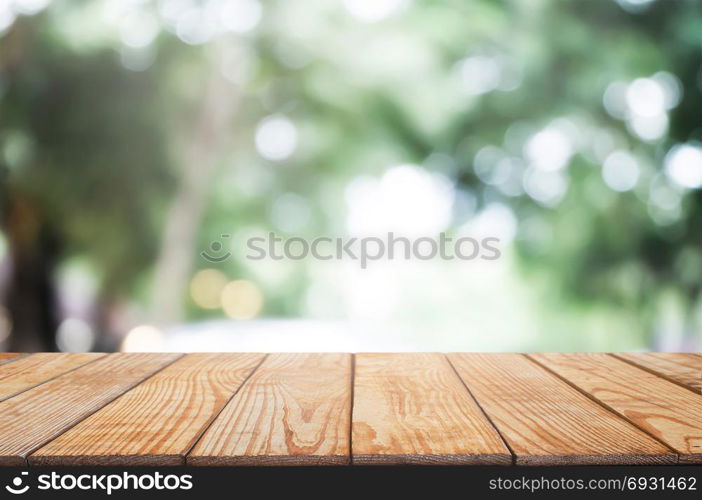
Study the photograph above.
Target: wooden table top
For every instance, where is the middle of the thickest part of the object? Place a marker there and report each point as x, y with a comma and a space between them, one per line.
323, 409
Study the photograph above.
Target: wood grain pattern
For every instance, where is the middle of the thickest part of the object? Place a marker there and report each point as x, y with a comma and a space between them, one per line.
294, 410
309, 409
413, 409
667, 411
32, 370
547, 422
8, 356
157, 422
30, 419
682, 368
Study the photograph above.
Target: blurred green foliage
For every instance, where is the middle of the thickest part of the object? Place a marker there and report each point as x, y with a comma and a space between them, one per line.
98, 105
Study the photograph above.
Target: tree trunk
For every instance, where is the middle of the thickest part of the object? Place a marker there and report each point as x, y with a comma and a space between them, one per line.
200, 158
30, 293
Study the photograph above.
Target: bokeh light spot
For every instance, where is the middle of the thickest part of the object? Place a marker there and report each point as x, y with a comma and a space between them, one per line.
371, 11
241, 16
683, 165
549, 150
620, 171
75, 335
276, 138
646, 97
407, 200
143, 338
544, 187
480, 74
206, 287
241, 299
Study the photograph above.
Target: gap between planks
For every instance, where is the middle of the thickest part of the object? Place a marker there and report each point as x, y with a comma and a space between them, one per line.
352, 406
74, 394
598, 402
679, 375
27, 372
158, 421
216, 415
7, 357
487, 417
412, 408
293, 410
555, 424
352, 393
672, 416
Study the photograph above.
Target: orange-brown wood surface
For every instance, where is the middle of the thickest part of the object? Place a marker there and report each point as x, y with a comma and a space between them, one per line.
413, 408
547, 422
8, 356
158, 421
682, 368
295, 409
345, 409
32, 418
668, 412
30, 371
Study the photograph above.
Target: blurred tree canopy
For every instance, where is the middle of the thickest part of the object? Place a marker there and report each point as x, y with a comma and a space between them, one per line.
133, 133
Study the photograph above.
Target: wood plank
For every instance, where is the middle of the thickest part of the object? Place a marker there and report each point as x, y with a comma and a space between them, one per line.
9, 356
31, 419
32, 370
671, 413
547, 422
413, 409
682, 368
294, 410
157, 422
